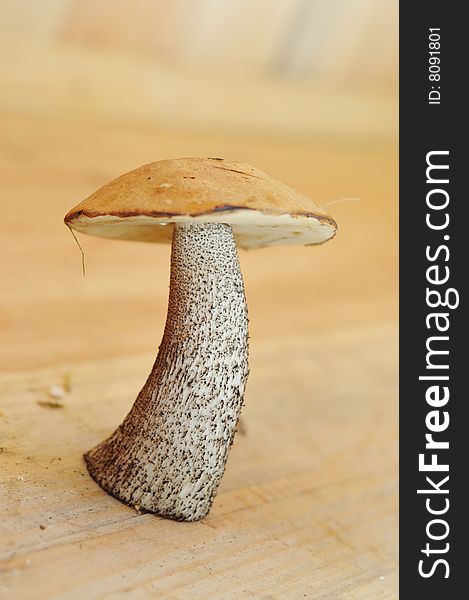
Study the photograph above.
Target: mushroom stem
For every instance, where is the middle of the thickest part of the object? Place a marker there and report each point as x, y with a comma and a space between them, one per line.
169, 454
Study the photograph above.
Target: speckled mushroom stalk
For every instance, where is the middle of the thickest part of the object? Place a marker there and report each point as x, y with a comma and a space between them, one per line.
169, 454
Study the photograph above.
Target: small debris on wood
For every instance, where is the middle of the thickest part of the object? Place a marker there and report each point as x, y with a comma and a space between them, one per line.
50, 403
56, 395
67, 382
42, 527
241, 429
56, 391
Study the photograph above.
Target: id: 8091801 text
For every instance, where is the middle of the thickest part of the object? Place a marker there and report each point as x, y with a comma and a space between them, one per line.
434, 59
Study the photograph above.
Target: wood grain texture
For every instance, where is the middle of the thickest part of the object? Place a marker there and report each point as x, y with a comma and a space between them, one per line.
331, 43
118, 90
307, 506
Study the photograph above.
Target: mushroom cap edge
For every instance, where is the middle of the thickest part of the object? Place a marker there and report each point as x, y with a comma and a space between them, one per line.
141, 205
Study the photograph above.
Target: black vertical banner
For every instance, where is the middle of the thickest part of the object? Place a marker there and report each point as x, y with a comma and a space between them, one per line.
434, 268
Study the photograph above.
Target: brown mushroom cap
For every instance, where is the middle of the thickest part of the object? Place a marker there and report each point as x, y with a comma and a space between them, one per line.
142, 204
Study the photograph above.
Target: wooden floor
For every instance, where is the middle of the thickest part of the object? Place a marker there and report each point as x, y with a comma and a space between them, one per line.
308, 505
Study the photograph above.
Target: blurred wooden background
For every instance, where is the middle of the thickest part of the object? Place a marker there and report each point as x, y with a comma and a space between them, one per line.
304, 90
351, 42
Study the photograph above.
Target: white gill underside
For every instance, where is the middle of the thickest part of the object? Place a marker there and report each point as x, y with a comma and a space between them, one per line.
169, 454
251, 228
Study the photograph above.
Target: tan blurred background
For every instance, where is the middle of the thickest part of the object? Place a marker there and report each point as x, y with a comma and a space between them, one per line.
304, 89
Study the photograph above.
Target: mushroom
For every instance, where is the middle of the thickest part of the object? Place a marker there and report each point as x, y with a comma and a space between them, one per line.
169, 454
